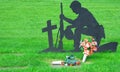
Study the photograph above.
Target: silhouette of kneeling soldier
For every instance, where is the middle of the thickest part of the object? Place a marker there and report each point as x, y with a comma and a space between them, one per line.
85, 23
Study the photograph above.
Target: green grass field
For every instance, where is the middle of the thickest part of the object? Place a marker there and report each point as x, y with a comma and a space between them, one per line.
21, 37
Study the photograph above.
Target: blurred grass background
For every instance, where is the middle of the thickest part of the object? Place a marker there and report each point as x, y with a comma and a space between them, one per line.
21, 37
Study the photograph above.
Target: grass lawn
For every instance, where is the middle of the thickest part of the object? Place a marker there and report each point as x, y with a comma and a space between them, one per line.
21, 37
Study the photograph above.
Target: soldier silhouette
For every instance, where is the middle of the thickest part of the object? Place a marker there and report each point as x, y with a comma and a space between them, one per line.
85, 23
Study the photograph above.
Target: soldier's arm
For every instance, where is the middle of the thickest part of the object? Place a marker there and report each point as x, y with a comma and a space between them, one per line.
66, 19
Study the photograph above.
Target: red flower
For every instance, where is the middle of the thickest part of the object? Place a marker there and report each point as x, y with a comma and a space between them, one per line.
89, 47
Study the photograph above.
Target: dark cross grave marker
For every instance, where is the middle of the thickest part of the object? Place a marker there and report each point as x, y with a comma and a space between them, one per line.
49, 28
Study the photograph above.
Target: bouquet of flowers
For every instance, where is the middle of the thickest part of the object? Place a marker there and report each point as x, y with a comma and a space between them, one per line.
89, 47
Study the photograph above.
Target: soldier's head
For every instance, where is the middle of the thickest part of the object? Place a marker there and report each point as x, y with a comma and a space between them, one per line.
75, 6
